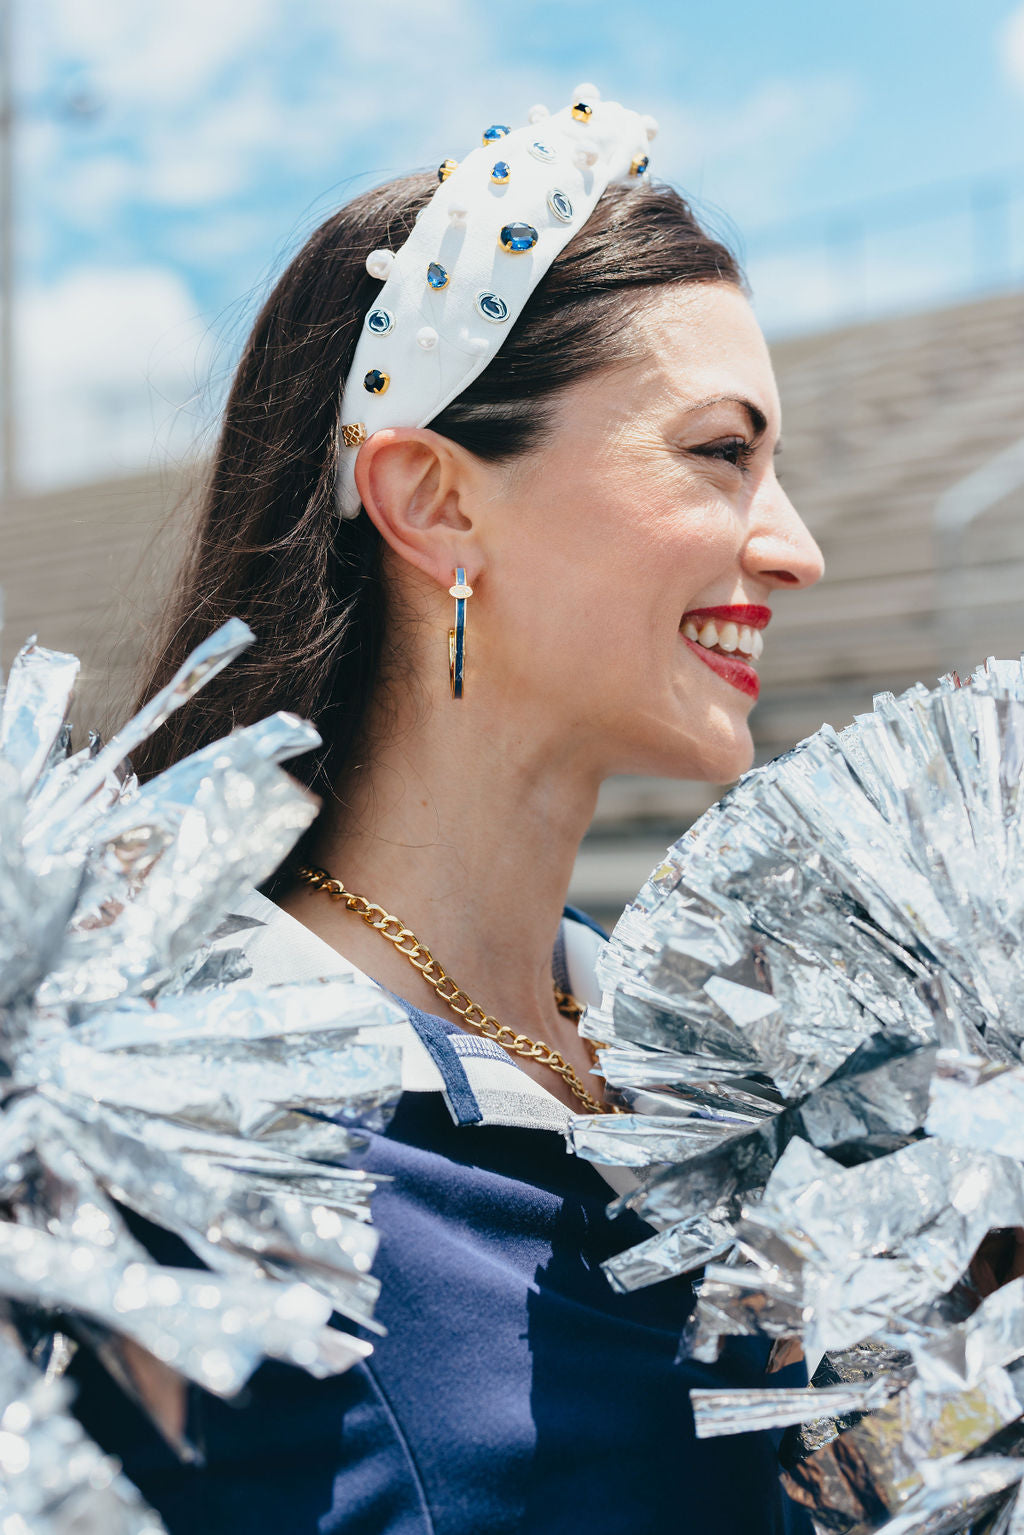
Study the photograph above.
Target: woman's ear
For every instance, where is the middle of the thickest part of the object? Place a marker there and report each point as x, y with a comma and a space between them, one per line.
413, 485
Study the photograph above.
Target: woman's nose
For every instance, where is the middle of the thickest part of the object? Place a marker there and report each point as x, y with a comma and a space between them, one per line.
780, 548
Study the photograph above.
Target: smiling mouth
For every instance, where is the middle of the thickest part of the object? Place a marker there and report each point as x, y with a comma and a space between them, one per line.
729, 641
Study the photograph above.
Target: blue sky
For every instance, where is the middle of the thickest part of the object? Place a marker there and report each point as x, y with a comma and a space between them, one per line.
216, 133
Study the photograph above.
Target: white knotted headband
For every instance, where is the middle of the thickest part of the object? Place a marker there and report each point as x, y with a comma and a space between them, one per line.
476, 252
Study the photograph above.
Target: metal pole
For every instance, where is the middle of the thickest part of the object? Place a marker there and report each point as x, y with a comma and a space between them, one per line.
8, 432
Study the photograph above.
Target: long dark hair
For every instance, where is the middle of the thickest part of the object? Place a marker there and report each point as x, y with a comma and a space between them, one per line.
267, 545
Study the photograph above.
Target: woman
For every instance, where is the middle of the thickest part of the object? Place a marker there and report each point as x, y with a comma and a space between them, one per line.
597, 488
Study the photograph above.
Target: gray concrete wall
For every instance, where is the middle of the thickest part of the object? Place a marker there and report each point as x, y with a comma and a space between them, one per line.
878, 420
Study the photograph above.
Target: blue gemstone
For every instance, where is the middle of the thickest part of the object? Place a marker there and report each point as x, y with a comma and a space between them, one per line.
437, 275
501, 172
380, 321
640, 164
376, 382
496, 132
492, 307
541, 151
560, 205
517, 237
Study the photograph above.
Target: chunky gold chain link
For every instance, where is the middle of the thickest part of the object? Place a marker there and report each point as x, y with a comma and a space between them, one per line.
420, 957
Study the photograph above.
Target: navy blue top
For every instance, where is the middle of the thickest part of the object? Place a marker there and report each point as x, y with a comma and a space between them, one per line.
515, 1392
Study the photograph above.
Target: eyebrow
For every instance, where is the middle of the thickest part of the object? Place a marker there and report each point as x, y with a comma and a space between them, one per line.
757, 417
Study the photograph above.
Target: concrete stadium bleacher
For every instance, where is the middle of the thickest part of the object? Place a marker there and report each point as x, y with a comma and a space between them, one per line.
879, 420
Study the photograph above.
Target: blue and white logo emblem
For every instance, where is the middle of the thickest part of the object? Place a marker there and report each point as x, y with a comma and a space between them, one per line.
560, 205
380, 321
492, 307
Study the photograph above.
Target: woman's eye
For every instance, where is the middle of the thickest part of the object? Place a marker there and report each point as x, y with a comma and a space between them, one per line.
731, 450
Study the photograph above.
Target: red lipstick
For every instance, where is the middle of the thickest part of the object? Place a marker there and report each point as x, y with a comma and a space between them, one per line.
732, 667
743, 613
740, 673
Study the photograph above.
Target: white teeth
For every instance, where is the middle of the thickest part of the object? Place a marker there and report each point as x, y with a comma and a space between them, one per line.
727, 636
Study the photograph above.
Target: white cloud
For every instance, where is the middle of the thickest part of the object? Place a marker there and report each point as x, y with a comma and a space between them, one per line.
1012, 46
109, 363
748, 159
205, 110
155, 54
810, 289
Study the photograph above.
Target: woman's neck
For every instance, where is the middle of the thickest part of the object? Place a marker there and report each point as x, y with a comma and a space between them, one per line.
468, 833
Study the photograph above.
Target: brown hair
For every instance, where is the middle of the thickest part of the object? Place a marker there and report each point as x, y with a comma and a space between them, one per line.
268, 546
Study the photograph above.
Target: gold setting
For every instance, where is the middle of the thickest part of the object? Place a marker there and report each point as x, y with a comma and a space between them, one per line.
446, 168
582, 112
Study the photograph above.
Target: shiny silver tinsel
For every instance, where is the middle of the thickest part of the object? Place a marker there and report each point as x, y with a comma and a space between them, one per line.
813, 1012
140, 1073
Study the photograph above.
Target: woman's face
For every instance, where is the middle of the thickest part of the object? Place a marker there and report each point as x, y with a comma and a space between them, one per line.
629, 566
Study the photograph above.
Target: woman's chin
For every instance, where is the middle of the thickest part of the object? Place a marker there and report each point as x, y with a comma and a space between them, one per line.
728, 763
720, 755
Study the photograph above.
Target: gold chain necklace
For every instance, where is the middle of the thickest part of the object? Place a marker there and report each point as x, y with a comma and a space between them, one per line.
420, 957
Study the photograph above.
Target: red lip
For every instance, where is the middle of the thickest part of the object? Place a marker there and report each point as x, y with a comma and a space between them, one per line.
739, 673
743, 614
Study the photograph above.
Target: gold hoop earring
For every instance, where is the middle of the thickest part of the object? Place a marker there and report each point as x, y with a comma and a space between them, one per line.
457, 636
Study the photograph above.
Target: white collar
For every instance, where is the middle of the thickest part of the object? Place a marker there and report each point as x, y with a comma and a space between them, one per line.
280, 950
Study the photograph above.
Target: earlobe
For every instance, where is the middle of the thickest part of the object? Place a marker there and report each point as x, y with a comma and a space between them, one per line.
412, 484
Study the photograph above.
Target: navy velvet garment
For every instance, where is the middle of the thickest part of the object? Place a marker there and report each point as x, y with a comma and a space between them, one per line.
515, 1391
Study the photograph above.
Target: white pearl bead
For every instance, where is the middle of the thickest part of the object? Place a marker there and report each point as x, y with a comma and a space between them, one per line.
478, 345
586, 92
379, 264
584, 157
458, 213
538, 114
427, 338
650, 126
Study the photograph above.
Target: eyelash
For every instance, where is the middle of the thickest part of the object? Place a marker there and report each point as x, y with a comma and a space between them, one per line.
741, 450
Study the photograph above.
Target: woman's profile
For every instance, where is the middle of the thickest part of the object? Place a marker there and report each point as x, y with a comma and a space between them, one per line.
496, 491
